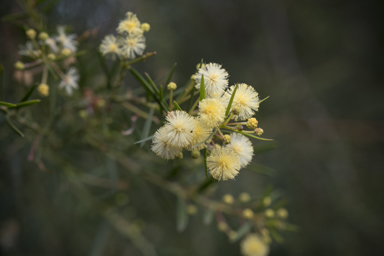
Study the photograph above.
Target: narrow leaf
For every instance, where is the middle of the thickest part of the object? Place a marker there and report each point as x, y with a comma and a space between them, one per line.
26, 103
7, 104
171, 74
263, 99
205, 162
291, 227
143, 140
255, 137
202, 88
13, 126
208, 216
276, 235
176, 106
30, 91
151, 83
231, 100
147, 126
241, 232
14, 16
182, 216
161, 93
206, 184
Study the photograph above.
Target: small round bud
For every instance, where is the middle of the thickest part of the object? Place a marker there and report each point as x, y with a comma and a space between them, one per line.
31, 33
259, 131
222, 226
191, 209
267, 201
195, 154
269, 213
239, 127
83, 113
235, 110
43, 36
227, 139
100, 103
282, 213
145, 27
193, 77
244, 197
232, 234
43, 90
180, 156
228, 199
252, 123
66, 52
19, 65
51, 56
172, 86
248, 213
198, 66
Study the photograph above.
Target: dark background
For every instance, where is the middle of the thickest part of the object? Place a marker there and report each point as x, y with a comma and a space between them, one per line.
321, 61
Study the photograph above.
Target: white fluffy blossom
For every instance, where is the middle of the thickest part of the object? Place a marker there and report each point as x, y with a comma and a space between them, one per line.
252, 245
162, 147
242, 146
179, 128
215, 79
67, 41
131, 25
69, 81
132, 46
223, 163
109, 46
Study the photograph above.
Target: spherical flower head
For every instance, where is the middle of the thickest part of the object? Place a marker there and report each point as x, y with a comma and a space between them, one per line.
19, 65
133, 46
211, 112
66, 52
267, 201
259, 131
215, 79
51, 56
269, 213
252, 245
200, 134
43, 90
145, 27
191, 209
282, 213
43, 36
246, 101
228, 199
242, 146
162, 147
109, 46
171, 86
69, 81
244, 197
248, 213
131, 25
66, 41
31, 33
223, 164
252, 123
227, 139
179, 128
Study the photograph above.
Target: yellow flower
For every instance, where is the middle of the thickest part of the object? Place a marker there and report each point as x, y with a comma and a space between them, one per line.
131, 25
252, 245
223, 164
211, 112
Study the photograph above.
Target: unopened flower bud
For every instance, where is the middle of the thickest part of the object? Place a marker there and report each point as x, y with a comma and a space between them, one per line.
228, 199
248, 213
145, 27
191, 209
269, 213
267, 201
232, 234
239, 127
31, 33
43, 90
227, 139
252, 123
282, 213
66, 52
244, 197
43, 36
180, 156
235, 110
259, 131
195, 154
51, 56
202, 65
101, 103
222, 226
83, 113
172, 86
193, 77
19, 65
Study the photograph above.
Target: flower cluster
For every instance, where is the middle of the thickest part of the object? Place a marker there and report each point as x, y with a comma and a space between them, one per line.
130, 42
51, 51
195, 130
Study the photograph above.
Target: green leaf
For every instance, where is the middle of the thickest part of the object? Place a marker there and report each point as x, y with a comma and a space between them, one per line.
255, 137
231, 100
268, 191
7, 104
181, 215
263, 99
30, 91
291, 227
151, 83
26, 104
143, 140
171, 74
49, 5
205, 162
14, 128
147, 126
14, 16
208, 216
148, 88
206, 184
276, 235
161, 93
241, 231
202, 88
176, 106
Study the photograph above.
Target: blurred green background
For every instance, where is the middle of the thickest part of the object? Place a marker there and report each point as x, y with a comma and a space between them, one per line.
320, 61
